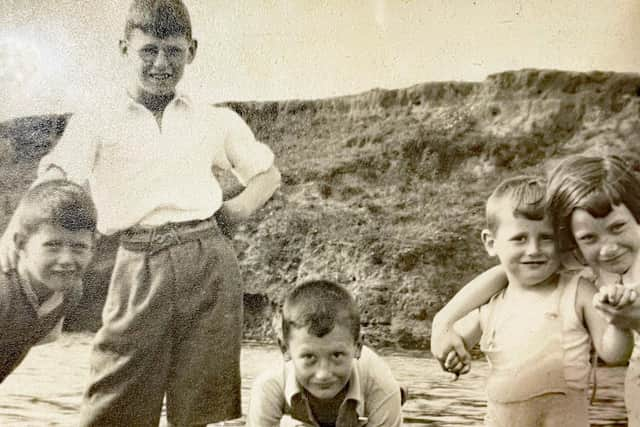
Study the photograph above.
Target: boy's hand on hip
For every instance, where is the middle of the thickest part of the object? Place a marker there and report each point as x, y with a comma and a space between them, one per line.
226, 222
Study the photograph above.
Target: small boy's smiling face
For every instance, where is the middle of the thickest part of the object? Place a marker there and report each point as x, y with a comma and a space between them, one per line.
156, 65
323, 364
526, 248
54, 257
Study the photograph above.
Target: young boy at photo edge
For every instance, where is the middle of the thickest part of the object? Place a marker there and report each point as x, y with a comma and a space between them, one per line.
55, 240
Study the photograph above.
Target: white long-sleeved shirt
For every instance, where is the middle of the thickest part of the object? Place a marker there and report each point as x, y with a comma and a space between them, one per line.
142, 174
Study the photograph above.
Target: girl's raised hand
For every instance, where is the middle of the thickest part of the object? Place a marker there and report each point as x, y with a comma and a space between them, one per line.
619, 305
616, 295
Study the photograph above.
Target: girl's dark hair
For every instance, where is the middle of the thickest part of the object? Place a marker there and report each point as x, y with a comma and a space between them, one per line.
595, 183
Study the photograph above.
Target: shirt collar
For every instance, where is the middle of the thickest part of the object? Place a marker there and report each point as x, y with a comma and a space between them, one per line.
181, 99
48, 306
293, 392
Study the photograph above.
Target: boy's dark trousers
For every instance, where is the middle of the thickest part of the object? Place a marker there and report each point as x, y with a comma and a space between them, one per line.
172, 324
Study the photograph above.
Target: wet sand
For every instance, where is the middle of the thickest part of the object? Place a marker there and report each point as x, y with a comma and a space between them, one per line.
47, 387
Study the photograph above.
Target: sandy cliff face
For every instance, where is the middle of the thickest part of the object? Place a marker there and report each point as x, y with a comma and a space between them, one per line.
384, 191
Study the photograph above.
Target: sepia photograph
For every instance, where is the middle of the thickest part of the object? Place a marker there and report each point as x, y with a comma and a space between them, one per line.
297, 213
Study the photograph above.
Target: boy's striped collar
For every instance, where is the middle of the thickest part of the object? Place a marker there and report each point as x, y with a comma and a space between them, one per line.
293, 391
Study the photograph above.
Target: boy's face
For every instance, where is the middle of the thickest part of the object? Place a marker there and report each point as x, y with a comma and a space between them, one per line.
526, 248
323, 364
156, 65
55, 257
610, 243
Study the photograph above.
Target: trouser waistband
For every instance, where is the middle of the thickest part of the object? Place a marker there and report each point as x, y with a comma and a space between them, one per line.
154, 239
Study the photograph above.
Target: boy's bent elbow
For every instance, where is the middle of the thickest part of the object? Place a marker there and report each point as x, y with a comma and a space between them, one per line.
274, 178
617, 347
265, 184
615, 359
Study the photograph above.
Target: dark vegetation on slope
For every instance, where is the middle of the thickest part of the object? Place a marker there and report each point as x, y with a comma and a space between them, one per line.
382, 191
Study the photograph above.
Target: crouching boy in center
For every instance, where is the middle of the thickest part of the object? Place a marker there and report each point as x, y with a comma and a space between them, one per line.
328, 378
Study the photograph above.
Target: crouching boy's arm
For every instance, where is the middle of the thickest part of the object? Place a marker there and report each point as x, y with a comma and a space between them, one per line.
385, 401
266, 404
613, 344
389, 414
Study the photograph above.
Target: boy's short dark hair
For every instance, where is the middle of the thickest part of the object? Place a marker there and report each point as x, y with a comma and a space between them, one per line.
159, 18
526, 193
56, 202
318, 306
595, 183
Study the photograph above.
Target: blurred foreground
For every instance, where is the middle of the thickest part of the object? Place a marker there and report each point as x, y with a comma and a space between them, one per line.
46, 389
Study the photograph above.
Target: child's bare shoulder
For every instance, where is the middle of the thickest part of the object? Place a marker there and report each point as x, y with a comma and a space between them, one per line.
271, 381
372, 367
585, 291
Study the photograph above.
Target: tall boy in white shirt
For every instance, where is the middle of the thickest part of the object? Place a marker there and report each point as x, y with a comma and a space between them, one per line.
172, 322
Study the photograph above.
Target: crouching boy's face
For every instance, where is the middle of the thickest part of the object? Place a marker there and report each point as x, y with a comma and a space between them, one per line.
323, 364
54, 257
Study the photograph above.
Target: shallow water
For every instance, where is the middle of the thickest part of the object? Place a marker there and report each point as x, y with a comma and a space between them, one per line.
47, 387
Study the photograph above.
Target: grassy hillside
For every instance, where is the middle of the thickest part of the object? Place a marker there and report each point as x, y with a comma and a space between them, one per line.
384, 191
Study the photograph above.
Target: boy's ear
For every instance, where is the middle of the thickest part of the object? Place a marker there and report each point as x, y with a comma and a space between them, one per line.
193, 48
19, 240
284, 349
488, 240
123, 46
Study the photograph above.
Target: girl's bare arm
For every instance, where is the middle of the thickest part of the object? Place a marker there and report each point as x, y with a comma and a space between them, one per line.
613, 344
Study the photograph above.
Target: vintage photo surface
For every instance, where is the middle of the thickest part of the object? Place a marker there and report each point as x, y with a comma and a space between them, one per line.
390, 123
